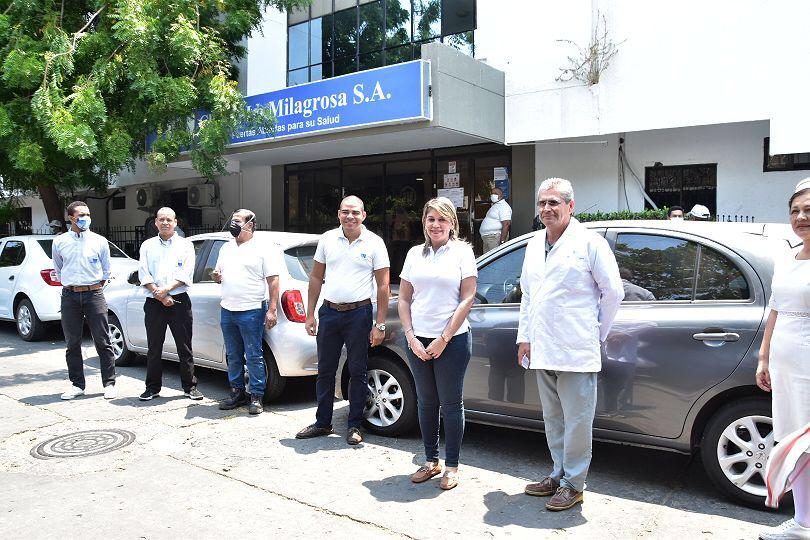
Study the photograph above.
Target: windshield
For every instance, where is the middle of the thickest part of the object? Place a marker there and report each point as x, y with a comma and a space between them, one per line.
115, 251
299, 261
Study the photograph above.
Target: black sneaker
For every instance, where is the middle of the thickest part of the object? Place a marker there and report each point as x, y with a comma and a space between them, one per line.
148, 395
255, 404
237, 399
194, 394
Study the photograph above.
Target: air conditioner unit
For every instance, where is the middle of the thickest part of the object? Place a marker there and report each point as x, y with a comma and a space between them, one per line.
148, 197
202, 195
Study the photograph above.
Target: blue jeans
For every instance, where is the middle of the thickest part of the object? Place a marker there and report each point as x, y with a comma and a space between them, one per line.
336, 328
243, 332
440, 383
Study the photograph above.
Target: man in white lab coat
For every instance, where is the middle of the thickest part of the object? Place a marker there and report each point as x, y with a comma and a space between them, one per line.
571, 293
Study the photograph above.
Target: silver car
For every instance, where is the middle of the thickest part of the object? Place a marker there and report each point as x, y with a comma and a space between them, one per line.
289, 351
678, 365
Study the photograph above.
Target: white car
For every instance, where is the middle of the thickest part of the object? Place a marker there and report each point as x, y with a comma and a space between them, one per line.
289, 351
29, 291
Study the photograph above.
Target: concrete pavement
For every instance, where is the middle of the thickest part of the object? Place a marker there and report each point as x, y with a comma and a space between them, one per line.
195, 470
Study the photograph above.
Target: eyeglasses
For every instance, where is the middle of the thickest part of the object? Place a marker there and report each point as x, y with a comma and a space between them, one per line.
551, 203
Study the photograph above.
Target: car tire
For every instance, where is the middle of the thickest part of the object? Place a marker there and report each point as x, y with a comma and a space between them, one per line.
29, 327
123, 356
391, 405
275, 382
735, 447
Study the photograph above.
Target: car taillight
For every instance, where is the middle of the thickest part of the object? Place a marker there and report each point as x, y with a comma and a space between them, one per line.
49, 276
293, 306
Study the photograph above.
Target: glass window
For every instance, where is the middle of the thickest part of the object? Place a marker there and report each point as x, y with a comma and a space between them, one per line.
211, 263
458, 17
316, 72
658, 265
397, 23
462, 42
346, 33
327, 195
299, 76
47, 247
371, 60
299, 261
13, 253
370, 32
345, 65
719, 278
427, 19
299, 201
116, 252
398, 55
499, 280
320, 39
298, 46
366, 181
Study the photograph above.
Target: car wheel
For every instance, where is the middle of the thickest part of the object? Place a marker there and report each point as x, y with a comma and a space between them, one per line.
122, 355
391, 404
275, 382
29, 327
735, 447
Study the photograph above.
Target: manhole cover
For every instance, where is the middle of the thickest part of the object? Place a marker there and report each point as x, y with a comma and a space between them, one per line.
83, 443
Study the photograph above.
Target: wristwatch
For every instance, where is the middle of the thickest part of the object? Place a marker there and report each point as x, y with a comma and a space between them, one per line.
380, 326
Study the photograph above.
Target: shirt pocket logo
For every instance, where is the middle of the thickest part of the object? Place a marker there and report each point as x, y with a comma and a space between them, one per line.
93, 259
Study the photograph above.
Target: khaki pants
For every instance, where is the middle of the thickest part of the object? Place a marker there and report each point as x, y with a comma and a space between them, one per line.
490, 241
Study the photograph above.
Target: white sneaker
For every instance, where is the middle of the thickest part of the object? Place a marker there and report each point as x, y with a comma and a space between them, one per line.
110, 392
74, 392
789, 530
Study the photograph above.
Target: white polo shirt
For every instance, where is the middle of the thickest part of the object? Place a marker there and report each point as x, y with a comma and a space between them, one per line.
350, 266
500, 211
436, 280
163, 262
245, 268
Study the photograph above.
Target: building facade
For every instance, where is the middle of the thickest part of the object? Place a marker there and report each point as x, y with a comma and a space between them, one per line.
699, 104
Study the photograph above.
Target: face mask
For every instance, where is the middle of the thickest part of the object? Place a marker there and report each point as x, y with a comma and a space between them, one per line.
83, 223
494, 198
235, 228
676, 218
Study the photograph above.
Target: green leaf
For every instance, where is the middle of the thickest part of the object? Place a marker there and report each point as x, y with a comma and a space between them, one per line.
23, 70
6, 124
28, 157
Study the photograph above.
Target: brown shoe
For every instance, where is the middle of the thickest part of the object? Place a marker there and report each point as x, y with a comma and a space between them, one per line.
564, 499
354, 437
544, 488
313, 431
426, 472
449, 480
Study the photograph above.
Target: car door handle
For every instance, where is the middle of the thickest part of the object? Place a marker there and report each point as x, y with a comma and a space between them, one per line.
716, 336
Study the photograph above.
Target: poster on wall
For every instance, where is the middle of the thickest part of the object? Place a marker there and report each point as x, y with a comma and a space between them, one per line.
452, 180
456, 195
501, 178
451, 167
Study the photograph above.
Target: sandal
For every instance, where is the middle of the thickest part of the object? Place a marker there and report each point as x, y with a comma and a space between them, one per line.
426, 472
449, 480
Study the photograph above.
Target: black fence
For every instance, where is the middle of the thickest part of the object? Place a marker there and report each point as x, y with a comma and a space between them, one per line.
735, 217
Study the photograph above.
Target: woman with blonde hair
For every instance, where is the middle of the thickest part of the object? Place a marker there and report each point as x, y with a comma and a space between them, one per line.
435, 295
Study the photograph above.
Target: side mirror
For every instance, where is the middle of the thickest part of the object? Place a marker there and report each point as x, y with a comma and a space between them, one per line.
133, 278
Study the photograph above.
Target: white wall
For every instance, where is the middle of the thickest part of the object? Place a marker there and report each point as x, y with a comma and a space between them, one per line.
267, 55
682, 63
742, 187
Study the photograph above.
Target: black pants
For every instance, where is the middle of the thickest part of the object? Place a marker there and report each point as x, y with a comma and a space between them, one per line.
76, 307
179, 319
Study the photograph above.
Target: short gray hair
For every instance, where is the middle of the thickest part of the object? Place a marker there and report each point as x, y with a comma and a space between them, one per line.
247, 216
558, 184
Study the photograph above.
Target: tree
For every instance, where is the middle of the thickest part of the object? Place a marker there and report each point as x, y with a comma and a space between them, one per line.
84, 83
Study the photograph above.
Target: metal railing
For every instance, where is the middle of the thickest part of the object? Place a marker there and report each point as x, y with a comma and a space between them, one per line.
735, 217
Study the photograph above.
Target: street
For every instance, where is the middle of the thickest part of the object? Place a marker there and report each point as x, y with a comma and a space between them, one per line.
196, 471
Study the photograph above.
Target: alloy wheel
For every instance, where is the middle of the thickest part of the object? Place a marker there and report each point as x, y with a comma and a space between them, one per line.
385, 401
24, 320
116, 340
743, 450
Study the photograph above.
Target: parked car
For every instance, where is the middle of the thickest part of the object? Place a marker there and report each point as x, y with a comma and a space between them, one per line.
289, 351
29, 291
678, 372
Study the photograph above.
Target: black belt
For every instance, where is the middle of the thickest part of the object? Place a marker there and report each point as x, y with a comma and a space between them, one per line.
347, 306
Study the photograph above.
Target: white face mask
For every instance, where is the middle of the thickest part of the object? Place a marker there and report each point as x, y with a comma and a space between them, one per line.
676, 218
494, 198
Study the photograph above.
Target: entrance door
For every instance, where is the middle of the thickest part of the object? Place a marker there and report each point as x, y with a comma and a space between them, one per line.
408, 185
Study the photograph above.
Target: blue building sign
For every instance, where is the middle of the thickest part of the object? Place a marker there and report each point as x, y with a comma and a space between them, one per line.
392, 94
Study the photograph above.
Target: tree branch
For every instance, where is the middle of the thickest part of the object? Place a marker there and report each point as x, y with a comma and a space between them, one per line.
72, 49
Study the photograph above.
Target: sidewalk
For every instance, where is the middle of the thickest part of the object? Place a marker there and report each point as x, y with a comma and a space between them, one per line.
194, 470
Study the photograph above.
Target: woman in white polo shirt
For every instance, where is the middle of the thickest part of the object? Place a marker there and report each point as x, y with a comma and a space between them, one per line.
435, 295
